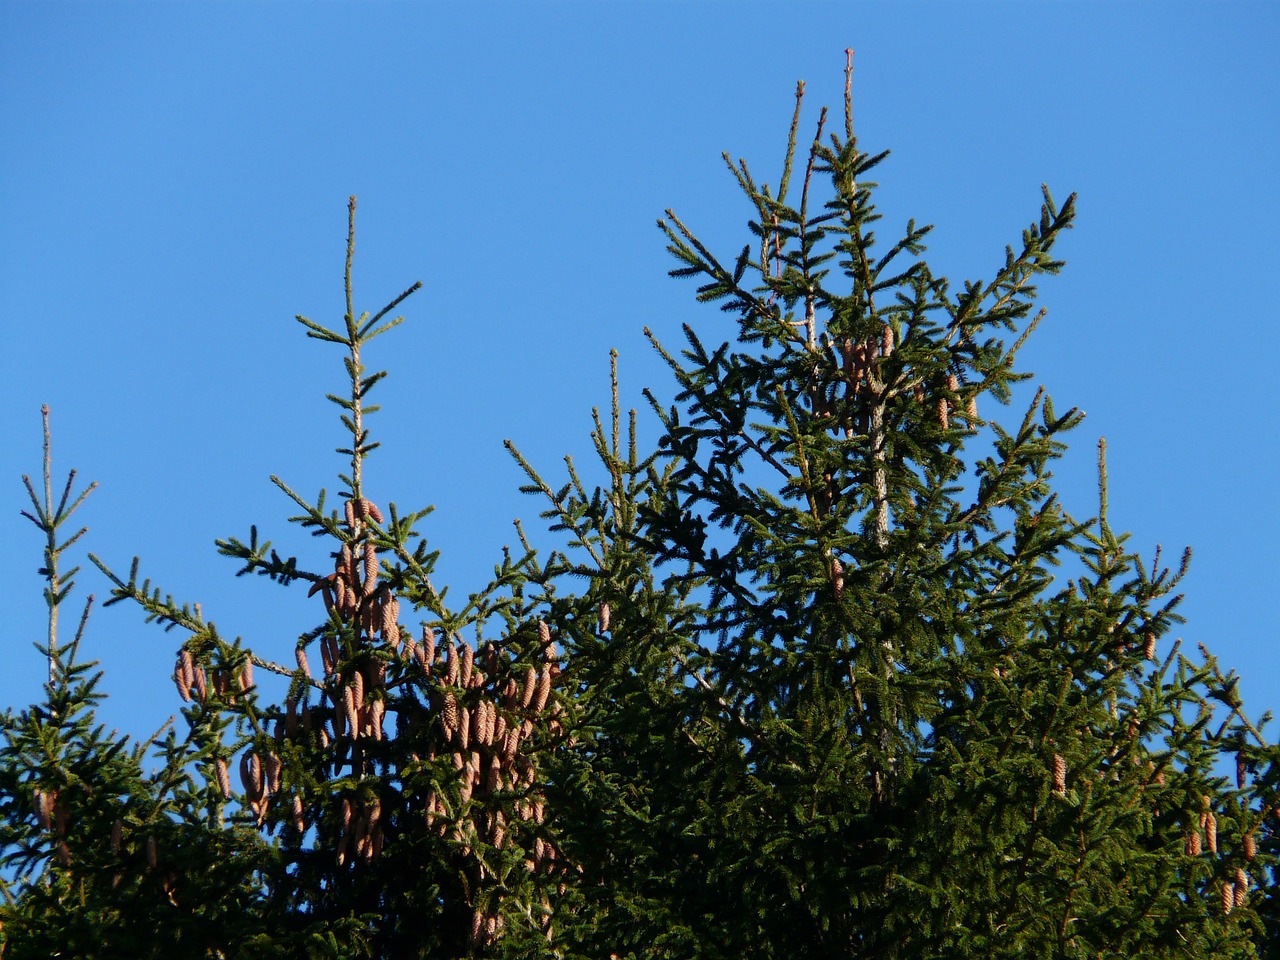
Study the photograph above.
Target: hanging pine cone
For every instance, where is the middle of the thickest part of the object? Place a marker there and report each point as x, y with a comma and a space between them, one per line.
271, 771
370, 568
180, 680
464, 727
350, 711
251, 775
1193, 843
1059, 774
453, 667
466, 666
449, 714
543, 692
223, 777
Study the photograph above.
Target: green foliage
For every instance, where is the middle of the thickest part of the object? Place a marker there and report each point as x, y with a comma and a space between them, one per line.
824, 691
845, 708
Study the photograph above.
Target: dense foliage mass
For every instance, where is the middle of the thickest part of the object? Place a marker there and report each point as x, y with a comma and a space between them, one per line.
801, 682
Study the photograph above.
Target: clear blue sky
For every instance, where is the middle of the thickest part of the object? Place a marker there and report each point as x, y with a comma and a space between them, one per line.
175, 177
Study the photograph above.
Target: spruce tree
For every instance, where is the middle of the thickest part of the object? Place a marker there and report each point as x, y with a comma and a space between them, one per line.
388, 804
108, 846
844, 707
804, 680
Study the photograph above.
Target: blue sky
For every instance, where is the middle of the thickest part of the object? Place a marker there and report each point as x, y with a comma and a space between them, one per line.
175, 177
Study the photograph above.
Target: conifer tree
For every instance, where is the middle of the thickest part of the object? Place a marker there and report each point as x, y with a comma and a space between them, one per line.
106, 845
805, 680
389, 804
844, 707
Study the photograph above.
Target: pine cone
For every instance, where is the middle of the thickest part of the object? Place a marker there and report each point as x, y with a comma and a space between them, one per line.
490, 723
370, 567
452, 668
350, 714
370, 510
251, 775
224, 777
271, 769
529, 689
499, 835
180, 680
510, 694
464, 727
449, 714
510, 744
390, 619
543, 692
465, 668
